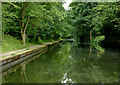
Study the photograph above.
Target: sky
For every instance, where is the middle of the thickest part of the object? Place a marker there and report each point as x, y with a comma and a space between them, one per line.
66, 4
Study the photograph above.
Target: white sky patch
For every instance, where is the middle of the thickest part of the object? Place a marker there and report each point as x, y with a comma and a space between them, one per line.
66, 4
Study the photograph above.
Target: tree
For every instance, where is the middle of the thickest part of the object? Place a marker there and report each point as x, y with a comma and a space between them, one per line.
33, 21
98, 20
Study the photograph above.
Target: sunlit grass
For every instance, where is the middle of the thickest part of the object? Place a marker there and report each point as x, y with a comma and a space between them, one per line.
12, 44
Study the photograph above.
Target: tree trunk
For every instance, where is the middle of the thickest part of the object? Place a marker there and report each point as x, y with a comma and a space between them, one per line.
37, 37
23, 38
23, 33
90, 35
23, 26
23, 30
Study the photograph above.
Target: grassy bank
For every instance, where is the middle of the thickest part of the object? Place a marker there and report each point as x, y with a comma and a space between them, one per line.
10, 43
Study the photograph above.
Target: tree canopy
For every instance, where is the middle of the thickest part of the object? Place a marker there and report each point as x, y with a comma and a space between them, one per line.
33, 21
98, 19
91, 22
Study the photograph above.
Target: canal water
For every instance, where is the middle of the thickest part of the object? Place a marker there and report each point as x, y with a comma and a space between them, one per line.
69, 63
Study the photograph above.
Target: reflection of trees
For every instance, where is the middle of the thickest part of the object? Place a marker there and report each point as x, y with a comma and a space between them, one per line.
72, 60
90, 69
43, 68
109, 64
100, 50
50, 67
23, 74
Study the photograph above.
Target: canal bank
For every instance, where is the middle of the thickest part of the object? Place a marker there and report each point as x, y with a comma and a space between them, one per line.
10, 59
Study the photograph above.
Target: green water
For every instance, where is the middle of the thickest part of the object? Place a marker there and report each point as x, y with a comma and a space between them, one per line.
69, 63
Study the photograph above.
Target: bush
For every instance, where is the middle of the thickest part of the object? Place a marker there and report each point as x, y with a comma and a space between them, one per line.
98, 39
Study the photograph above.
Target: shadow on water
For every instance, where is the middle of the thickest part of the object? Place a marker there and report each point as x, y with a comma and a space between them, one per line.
69, 63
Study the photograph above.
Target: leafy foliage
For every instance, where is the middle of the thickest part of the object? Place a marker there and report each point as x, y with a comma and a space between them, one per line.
86, 22
99, 18
33, 21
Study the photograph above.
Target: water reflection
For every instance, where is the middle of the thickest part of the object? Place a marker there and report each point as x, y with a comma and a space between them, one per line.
65, 79
69, 63
23, 74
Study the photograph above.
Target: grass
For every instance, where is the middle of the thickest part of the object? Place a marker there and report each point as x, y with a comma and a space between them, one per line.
12, 44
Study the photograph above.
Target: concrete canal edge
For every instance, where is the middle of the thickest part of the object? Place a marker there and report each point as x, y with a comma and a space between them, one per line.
6, 62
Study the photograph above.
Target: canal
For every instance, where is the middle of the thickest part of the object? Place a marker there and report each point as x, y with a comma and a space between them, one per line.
69, 63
